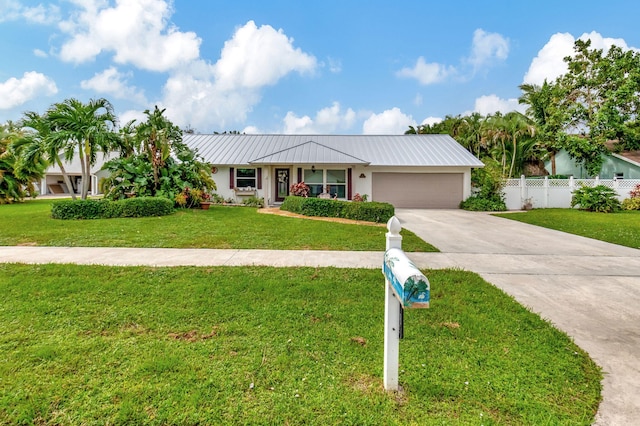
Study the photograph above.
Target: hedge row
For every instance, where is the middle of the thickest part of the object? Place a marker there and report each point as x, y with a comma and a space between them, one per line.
103, 209
370, 211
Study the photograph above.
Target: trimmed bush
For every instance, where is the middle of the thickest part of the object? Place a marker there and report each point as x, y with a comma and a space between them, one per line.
103, 209
478, 203
370, 212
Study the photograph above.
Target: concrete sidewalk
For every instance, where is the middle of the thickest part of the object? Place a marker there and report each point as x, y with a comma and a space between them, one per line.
587, 288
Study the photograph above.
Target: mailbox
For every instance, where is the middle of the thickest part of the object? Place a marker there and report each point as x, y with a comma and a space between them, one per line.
410, 286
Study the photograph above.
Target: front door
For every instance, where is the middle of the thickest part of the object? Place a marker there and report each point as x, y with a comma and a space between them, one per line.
282, 184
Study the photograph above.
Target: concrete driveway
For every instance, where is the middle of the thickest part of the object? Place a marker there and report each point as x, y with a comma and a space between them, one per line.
587, 288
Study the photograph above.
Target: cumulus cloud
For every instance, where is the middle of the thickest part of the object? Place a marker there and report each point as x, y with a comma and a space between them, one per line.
487, 47
17, 91
114, 83
221, 94
430, 121
11, 10
389, 122
490, 104
130, 115
257, 57
426, 73
549, 63
137, 32
327, 120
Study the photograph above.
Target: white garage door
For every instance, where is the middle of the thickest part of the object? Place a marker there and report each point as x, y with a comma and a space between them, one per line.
419, 190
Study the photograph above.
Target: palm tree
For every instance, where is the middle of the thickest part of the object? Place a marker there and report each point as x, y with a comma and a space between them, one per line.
157, 137
90, 127
37, 144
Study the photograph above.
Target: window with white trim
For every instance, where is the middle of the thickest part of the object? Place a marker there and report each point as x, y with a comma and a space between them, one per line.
246, 178
327, 181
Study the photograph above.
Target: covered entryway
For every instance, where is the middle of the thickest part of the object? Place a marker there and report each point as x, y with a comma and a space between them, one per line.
419, 190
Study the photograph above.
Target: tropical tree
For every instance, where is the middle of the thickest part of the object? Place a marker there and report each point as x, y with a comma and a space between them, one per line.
89, 127
38, 144
155, 162
16, 175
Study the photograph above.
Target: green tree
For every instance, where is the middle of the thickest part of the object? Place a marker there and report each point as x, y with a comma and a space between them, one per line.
16, 175
155, 162
38, 143
90, 127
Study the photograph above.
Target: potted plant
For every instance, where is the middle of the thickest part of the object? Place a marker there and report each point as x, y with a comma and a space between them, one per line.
205, 203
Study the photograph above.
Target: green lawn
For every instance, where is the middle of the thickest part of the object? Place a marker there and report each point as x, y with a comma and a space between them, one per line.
222, 345
621, 228
221, 227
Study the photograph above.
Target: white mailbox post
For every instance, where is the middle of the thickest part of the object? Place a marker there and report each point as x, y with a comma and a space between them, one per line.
405, 287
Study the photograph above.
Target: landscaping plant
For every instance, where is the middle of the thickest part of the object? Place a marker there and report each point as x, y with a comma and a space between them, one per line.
599, 198
633, 202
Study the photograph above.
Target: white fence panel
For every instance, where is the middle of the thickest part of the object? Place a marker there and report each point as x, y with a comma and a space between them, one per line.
556, 193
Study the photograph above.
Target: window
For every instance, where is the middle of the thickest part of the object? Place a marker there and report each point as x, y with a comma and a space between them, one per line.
333, 182
245, 178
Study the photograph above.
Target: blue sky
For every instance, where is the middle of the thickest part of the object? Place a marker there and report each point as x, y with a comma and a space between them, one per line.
282, 66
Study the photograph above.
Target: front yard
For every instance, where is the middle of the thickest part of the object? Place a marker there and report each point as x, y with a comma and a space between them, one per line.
222, 345
219, 227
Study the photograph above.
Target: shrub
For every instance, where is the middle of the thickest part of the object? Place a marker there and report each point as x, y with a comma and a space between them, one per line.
488, 183
371, 212
600, 198
478, 203
102, 209
360, 198
632, 203
254, 202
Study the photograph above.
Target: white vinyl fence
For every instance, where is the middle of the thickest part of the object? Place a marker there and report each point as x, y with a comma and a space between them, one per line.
548, 193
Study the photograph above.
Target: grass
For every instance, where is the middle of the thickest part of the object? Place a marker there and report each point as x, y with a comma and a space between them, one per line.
621, 228
115, 345
220, 227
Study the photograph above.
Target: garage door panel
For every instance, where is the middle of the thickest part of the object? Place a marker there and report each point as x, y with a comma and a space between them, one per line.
419, 190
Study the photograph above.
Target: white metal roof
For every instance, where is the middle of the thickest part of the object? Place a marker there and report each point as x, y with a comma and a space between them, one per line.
374, 150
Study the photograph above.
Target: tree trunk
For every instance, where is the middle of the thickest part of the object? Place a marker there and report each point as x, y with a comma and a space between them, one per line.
86, 179
553, 163
65, 177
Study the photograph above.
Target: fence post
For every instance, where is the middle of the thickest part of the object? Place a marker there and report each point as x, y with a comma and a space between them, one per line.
546, 192
391, 315
524, 193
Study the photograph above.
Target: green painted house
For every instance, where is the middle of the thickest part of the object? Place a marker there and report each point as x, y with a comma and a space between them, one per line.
622, 166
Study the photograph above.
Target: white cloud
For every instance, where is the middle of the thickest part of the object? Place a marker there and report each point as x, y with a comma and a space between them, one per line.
417, 101
15, 92
426, 73
389, 122
487, 47
429, 121
327, 120
251, 130
40, 53
549, 63
114, 83
137, 32
218, 95
490, 104
11, 10
130, 115
257, 57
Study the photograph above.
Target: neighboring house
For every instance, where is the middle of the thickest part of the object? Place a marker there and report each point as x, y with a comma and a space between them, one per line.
410, 171
625, 165
53, 183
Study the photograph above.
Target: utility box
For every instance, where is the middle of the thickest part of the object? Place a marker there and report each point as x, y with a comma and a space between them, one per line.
409, 285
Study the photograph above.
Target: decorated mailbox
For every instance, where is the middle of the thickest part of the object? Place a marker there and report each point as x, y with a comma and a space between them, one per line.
410, 286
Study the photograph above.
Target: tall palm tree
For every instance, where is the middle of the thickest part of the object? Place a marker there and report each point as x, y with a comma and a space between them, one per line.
16, 175
157, 137
90, 127
37, 144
